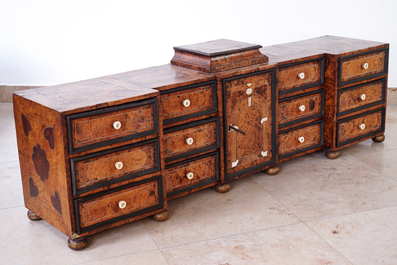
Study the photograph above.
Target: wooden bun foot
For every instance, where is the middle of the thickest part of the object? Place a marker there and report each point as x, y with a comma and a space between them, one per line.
222, 188
32, 216
332, 154
160, 217
78, 243
272, 170
379, 139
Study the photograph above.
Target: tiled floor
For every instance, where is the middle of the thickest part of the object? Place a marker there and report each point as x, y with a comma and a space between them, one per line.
316, 211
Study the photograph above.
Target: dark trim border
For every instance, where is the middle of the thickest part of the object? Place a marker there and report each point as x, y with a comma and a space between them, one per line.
156, 168
341, 59
274, 124
322, 91
358, 138
214, 108
196, 151
131, 136
384, 80
299, 88
200, 184
81, 230
309, 147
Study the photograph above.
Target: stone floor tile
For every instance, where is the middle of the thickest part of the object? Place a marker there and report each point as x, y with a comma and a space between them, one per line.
207, 214
392, 111
363, 238
293, 244
314, 187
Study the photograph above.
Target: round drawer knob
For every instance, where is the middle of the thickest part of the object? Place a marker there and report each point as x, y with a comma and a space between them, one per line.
362, 126
122, 204
186, 103
119, 165
301, 75
189, 141
301, 139
302, 107
117, 125
190, 175
365, 65
363, 96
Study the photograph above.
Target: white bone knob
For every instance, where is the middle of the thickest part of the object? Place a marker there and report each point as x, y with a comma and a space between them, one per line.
301, 139
302, 107
122, 204
117, 125
362, 126
363, 96
119, 165
189, 141
365, 66
186, 103
190, 175
301, 75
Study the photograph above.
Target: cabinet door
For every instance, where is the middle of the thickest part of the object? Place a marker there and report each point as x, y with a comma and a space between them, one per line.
249, 123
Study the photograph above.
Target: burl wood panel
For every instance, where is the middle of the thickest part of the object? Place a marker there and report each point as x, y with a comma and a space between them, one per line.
350, 99
107, 207
288, 77
289, 141
203, 135
351, 129
289, 110
99, 128
92, 171
248, 107
352, 68
203, 170
200, 98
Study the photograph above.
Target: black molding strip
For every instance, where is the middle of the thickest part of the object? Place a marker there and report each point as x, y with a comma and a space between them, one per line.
381, 129
322, 63
200, 150
131, 136
365, 106
156, 168
160, 205
322, 91
214, 108
321, 143
341, 59
199, 184
225, 124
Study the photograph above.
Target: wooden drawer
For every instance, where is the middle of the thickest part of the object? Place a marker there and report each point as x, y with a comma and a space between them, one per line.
187, 102
301, 139
360, 97
204, 136
362, 66
107, 207
191, 174
359, 127
98, 128
104, 168
297, 109
294, 77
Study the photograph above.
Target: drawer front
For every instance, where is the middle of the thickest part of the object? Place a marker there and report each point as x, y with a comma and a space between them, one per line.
104, 168
360, 97
301, 139
188, 102
300, 76
301, 108
359, 67
112, 125
356, 128
191, 174
184, 140
116, 205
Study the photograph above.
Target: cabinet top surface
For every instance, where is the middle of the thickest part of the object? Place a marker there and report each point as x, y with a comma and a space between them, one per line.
218, 47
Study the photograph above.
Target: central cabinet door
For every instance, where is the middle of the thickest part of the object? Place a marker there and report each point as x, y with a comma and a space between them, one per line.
249, 122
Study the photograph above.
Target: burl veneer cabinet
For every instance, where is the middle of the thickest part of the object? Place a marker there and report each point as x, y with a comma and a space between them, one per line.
100, 153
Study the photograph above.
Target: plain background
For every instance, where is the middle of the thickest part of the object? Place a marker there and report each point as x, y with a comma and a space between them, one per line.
52, 42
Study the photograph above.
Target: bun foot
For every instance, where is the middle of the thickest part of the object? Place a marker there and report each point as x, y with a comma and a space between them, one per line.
32, 216
332, 154
379, 139
78, 243
160, 217
222, 188
272, 171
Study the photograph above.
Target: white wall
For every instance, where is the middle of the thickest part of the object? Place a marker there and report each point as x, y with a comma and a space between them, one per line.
51, 42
